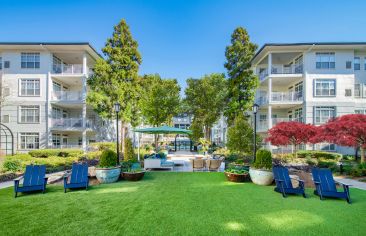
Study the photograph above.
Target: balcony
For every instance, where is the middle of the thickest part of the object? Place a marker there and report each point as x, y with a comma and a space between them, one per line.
281, 98
262, 125
67, 96
71, 124
282, 70
68, 69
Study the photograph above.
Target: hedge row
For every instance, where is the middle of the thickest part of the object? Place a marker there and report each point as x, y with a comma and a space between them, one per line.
44, 153
319, 155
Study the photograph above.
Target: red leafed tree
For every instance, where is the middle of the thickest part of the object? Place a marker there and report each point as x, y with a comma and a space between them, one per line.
291, 133
347, 130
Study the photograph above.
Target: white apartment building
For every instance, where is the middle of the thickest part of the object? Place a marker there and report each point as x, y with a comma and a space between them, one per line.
44, 88
310, 82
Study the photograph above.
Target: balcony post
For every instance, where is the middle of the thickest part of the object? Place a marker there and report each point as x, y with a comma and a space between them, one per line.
269, 78
269, 64
84, 101
49, 110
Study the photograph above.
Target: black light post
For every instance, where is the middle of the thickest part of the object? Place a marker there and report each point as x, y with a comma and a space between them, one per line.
255, 110
117, 108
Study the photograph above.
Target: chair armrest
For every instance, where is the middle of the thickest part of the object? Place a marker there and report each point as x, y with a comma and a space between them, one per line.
66, 175
338, 182
300, 180
45, 179
18, 179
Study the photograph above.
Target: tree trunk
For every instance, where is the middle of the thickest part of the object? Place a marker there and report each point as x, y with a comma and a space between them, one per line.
363, 159
295, 150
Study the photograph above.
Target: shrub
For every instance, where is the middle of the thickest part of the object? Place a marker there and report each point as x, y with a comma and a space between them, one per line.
263, 159
101, 146
319, 155
44, 153
128, 153
108, 159
12, 165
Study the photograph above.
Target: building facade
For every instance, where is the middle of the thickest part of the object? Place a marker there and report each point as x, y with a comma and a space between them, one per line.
44, 88
310, 83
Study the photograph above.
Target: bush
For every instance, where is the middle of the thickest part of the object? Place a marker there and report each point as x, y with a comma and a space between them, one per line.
44, 153
263, 159
12, 165
108, 159
101, 146
128, 152
319, 155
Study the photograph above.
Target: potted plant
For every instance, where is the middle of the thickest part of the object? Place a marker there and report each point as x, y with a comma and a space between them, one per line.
260, 172
108, 171
132, 171
236, 173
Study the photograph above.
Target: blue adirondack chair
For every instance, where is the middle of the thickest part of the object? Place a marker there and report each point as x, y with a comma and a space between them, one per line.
34, 180
79, 177
284, 184
326, 185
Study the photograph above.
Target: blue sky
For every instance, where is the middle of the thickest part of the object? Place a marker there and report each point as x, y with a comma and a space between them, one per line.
182, 39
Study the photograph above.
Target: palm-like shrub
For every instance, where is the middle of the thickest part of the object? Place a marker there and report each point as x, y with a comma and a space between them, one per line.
129, 153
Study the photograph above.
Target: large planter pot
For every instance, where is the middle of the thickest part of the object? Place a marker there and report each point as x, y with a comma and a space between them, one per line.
237, 177
107, 175
130, 176
261, 177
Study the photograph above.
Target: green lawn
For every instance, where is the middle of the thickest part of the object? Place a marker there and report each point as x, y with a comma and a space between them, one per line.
166, 203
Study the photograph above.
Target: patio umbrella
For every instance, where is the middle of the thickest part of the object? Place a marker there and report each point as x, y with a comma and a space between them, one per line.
160, 130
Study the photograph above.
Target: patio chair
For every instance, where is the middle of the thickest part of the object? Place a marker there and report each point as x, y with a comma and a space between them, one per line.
326, 185
34, 180
198, 164
284, 184
213, 164
79, 177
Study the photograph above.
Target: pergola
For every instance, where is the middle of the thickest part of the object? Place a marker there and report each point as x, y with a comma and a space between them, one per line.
161, 130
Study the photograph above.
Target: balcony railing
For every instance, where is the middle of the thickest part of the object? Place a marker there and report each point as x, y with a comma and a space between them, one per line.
263, 124
72, 123
68, 69
66, 96
280, 97
281, 69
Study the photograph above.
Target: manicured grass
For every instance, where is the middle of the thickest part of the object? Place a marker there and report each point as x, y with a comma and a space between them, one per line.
166, 203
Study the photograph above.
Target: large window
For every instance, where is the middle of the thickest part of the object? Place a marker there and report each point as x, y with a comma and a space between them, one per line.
29, 87
358, 90
325, 87
323, 114
56, 140
30, 60
325, 146
29, 114
356, 63
325, 60
298, 115
29, 141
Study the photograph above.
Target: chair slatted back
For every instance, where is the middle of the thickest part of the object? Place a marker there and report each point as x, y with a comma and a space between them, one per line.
34, 175
79, 173
198, 163
325, 177
281, 173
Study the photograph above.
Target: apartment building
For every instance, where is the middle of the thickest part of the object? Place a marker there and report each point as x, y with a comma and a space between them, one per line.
311, 83
44, 88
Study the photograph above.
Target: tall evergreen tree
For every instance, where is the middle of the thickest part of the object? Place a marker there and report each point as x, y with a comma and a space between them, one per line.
242, 81
115, 78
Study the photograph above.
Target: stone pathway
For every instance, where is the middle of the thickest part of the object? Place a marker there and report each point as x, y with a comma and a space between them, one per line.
354, 183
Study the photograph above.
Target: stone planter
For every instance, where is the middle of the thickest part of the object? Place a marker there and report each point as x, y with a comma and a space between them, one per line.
130, 176
108, 175
237, 177
261, 177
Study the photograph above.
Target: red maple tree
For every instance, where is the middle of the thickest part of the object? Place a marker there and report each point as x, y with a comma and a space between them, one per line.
291, 133
346, 130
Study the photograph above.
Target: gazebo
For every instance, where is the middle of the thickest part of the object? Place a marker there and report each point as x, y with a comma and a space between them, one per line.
161, 130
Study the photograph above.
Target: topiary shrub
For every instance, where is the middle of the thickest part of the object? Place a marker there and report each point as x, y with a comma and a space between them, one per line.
12, 165
128, 153
319, 154
108, 159
263, 159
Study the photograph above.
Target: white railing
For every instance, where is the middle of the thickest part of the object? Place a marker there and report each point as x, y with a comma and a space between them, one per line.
66, 96
286, 97
281, 69
68, 69
67, 146
72, 123
262, 125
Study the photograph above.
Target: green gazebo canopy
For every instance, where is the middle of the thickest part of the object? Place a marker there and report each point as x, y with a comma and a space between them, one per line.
163, 130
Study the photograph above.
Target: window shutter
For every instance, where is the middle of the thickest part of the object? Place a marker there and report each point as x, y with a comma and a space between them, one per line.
348, 65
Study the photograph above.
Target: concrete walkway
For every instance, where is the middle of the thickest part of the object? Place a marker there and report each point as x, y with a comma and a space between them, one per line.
354, 183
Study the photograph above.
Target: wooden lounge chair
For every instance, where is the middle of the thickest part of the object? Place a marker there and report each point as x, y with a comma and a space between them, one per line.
213, 164
79, 177
34, 180
198, 164
326, 185
284, 184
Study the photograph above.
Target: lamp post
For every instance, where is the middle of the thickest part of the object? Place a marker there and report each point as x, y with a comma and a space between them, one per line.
255, 110
117, 108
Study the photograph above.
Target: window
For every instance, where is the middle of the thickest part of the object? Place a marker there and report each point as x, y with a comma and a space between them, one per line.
57, 65
6, 119
298, 115
325, 146
298, 90
325, 87
323, 114
29, 141
348, 92
356, 62
357, 90
56, 86
56, 140
325, 60
29, 114
30, 60
29, 87
360, 111
348, 65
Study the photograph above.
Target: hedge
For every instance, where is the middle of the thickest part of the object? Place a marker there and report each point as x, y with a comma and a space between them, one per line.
319, 155
44, 153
